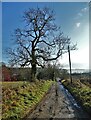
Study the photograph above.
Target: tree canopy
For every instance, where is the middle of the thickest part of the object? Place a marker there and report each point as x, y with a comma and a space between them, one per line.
41, 40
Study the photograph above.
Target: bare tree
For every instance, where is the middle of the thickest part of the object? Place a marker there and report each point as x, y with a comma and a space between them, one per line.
40, 40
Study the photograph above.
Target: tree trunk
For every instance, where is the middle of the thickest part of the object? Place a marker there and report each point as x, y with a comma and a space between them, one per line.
33, 64
33, 72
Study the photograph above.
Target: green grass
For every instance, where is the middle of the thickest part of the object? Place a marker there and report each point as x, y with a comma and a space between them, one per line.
13, 84
20, 97
81, 92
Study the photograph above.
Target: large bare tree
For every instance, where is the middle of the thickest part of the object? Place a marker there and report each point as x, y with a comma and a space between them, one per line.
41, 40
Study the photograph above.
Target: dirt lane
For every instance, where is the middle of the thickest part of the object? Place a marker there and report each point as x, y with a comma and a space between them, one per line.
57, 105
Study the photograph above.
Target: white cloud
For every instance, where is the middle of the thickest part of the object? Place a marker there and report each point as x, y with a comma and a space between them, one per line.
82, 12
78, 24
85, 9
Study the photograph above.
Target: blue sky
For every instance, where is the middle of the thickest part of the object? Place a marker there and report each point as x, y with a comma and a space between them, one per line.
45, 0
71, 16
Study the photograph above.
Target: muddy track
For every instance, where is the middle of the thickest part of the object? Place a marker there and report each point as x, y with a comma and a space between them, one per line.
57, 105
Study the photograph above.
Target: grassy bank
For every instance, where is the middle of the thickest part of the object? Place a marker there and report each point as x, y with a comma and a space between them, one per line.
20, 97
81, 92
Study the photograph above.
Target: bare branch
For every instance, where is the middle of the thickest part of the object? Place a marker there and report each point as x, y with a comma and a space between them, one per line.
40, 65
49, 44
40, 41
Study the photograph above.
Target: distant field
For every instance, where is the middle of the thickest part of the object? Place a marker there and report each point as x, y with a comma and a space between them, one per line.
13, 84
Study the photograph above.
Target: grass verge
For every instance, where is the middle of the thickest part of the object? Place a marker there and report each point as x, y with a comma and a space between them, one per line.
81, 92
19, 98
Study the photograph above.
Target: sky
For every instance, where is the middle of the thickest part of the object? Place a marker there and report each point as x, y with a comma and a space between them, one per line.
45, 0
73, 17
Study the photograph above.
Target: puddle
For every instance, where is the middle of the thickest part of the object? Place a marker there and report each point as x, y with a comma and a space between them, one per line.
69, 96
